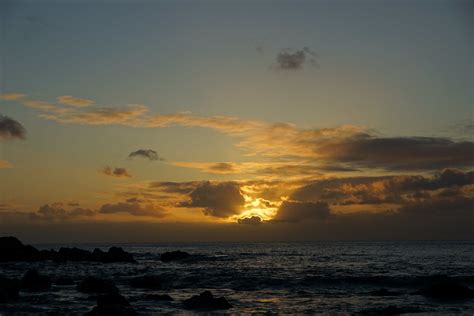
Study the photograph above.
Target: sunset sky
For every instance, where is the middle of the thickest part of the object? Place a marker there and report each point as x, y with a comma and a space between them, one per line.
236, 120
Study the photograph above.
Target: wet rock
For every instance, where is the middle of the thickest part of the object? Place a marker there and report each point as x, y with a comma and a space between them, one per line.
9, 290
174, 256
112, 304
158, 297
206, 301
146, 282
383, 292
96, 285
33, 281
447, 289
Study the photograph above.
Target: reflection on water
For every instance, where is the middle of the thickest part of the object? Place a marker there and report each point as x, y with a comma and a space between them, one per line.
295, 278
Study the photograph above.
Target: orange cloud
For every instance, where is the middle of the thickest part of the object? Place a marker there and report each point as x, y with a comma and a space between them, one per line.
12, 96
5, 164
72, 101
116, 172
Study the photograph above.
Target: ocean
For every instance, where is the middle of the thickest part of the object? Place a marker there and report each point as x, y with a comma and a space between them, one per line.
342, 278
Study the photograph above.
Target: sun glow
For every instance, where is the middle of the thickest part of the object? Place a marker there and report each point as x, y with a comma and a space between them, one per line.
260, 207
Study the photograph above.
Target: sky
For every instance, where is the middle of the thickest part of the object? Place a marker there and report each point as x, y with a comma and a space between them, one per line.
236, 120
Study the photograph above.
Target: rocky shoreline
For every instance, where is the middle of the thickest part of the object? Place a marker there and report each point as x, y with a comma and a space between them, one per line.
110, 300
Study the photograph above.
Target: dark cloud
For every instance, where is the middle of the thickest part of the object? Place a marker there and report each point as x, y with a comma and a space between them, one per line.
146, 153
11, 129
116, 172
399, 153
133, 208
295, 211
290, 59
222, 167
218, 199
56, 212
380, 190
253, 220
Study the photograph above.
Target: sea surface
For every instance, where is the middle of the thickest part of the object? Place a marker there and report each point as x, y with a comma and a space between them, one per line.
286, 278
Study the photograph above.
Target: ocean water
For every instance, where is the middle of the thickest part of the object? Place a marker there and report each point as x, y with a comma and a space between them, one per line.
286, 278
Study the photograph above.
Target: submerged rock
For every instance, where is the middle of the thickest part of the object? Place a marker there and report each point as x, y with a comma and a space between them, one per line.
9, 290
146, 282
112, 304
207, 301
33, 281
447, 289
174, 256
96, 285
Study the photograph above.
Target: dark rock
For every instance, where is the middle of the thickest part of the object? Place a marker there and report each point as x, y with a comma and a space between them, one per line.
64, 281
146, 282
112, 304
96, 285
117, 254
73, 254
9, 290
207, 301
33, 281
158, 297
447, 289
174, 256
11, 249
112, 299
383, 292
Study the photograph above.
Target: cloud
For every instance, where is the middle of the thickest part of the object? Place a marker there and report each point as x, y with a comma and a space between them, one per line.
146, 153
399, 153
11, 129
116, 172
290, 59
222, 199
253, 220
12, 96
133, 208
56, 212
338, 149
5, 164
295, 211
72, 101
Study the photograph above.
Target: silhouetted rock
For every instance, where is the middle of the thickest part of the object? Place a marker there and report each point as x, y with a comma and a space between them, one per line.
33, 281
112, 304
207, 301
174, 256
447, 289
96, 285
146, 282
9, 290
11, 249
158, 297
117, 254
383, 292
73, 254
